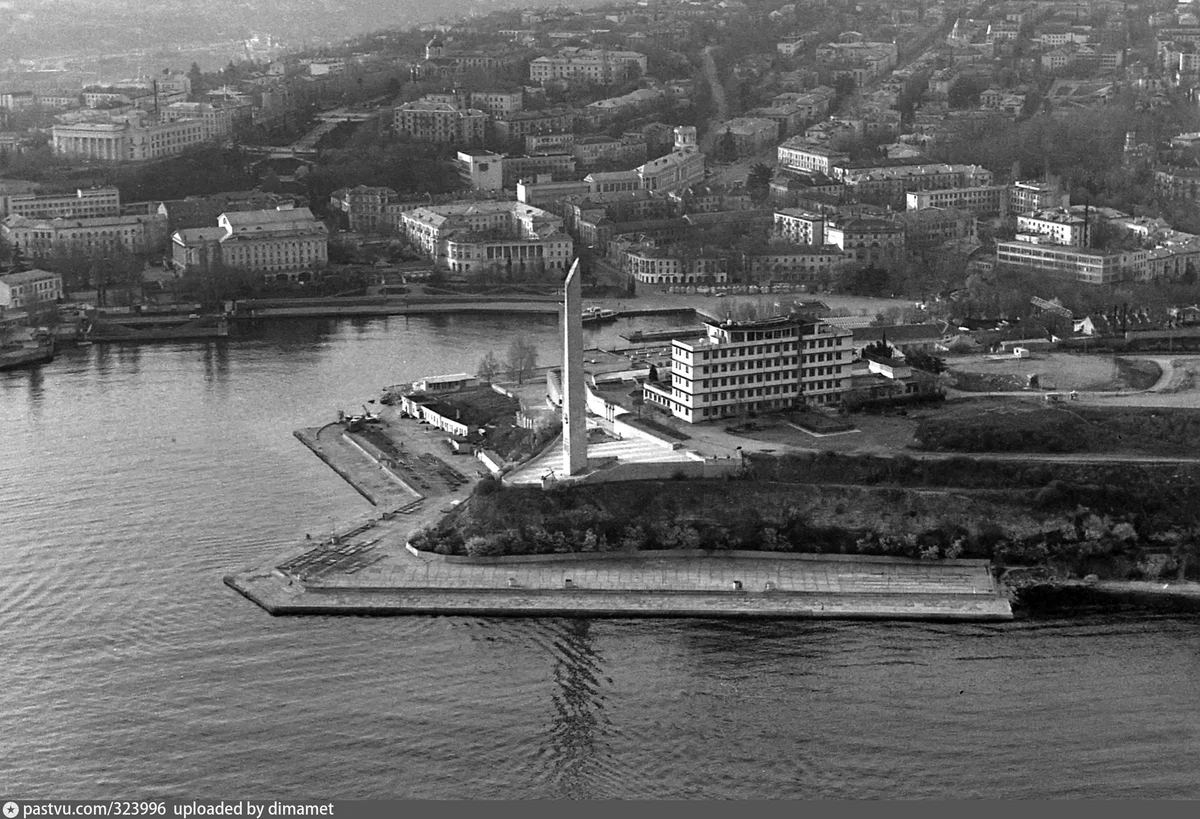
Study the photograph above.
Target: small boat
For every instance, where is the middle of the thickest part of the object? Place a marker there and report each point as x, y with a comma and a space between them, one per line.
595, 315
30, 352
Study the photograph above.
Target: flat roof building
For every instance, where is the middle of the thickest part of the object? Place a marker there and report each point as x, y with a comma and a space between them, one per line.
755, 366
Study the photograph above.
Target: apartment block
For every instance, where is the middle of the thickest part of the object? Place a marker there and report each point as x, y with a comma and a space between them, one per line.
83, 203
664, 265
597, 66
39, 238
1059, 226
865, 240
441, 123
800, 227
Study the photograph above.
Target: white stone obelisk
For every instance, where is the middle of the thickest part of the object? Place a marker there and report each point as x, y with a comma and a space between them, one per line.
574, 403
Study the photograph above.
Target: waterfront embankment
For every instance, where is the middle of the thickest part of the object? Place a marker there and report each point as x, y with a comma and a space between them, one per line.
371, 569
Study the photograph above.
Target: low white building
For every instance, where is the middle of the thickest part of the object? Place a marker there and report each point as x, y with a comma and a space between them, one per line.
22, 290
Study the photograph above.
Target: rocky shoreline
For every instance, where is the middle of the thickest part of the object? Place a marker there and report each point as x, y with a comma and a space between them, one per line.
1058, 596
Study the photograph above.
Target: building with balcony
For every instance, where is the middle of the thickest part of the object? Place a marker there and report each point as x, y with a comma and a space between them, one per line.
755, 366
1025, 196
800, 227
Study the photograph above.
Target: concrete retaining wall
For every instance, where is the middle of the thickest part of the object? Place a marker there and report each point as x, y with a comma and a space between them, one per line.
715, 554
703, 468
310, 442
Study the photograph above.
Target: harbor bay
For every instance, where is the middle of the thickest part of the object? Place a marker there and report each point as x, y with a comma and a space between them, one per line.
135, 478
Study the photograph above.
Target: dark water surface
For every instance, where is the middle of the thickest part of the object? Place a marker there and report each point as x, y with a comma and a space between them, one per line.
133, 478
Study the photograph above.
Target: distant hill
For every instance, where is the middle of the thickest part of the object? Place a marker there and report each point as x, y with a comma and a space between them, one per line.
44, 28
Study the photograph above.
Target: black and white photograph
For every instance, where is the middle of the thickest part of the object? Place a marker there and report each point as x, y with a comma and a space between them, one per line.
642, 401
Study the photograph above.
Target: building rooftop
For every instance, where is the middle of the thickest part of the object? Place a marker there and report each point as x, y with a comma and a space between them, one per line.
27, 276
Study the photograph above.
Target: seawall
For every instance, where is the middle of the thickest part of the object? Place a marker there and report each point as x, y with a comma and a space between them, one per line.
280, 599
371, 569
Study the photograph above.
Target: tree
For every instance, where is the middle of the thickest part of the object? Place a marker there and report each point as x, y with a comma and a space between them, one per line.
759, 179
522, 358
921, 360
489, 367
727, 148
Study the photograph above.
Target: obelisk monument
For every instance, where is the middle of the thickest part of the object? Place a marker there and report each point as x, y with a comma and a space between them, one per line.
574, 405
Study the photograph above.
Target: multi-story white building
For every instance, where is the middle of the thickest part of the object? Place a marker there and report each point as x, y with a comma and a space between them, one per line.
628, 149
812, 104
441, 123
17, 100
749, 134
1029, 195
218, 119
599, 66
39, 238
802, 155
1060, 226
933, 226
804, 264
496, 103
285, 243
1084, 266
871, 59
370, 208
84, 203
29, 287
890, 185
982, 200
466, 237
549, 143
756, 366
655, 265
869, 241
800, 227
679, 169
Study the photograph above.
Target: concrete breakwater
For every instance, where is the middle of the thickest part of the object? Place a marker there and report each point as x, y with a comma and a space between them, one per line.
372, 570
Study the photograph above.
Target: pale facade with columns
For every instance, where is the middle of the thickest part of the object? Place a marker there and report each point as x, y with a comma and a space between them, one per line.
129, 140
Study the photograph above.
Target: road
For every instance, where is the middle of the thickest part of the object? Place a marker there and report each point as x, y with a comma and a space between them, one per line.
718, 94
1176, 388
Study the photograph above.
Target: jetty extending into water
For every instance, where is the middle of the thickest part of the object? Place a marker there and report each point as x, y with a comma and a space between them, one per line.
370, 569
